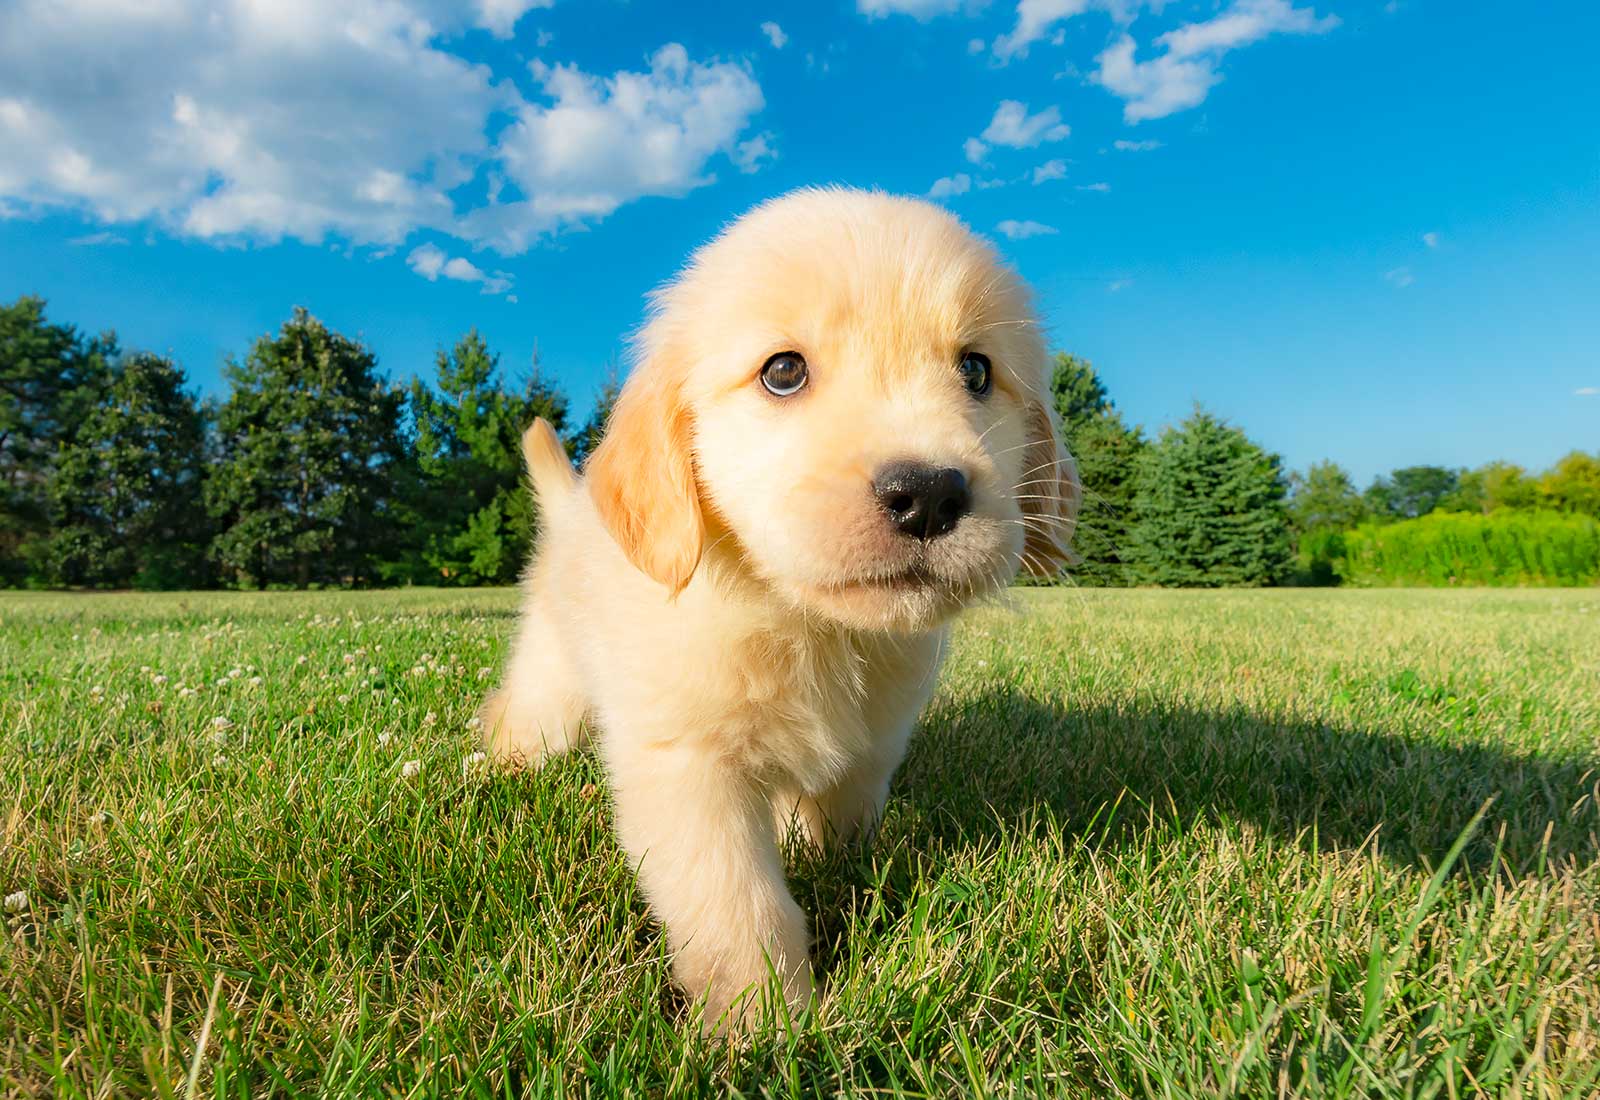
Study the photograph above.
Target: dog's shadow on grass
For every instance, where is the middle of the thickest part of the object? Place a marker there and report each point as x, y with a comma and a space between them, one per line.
1005, 760
982, 769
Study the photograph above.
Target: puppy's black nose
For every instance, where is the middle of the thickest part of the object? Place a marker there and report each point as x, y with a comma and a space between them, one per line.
922, 501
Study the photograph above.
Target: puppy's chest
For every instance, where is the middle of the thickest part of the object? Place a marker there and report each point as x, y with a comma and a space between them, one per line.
805, 708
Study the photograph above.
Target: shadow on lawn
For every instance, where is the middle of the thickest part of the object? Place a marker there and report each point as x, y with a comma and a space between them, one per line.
1005, 763
1006, 760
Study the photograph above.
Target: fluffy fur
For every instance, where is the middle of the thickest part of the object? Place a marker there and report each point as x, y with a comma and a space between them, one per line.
722, 599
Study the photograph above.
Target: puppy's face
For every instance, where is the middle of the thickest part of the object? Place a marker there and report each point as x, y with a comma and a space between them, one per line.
851, 386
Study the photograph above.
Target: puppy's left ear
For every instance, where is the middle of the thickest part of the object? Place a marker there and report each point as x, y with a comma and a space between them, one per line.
1049, 494
642, 479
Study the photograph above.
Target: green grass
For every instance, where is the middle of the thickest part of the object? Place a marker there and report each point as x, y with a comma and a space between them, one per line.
1147, 843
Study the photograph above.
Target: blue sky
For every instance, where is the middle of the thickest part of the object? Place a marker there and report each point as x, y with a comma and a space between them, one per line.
1361, 229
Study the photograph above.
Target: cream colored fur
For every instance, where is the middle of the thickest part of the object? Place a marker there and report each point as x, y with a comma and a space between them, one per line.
721, 598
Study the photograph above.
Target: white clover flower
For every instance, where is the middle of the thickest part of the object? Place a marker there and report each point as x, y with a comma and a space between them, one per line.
302, 659
17, 902
158, 680
425, 658
344, 698
384, 738
184, 693
99, 817
485, 673
144, 670
221, 723
410, 769
255, 681
474, 762
97, 691
474, 723
219, 761
224, 682
235, 673
349, 658
430, 718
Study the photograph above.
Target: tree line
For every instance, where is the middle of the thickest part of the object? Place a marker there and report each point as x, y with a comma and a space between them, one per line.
317, 470
1201, 504
314, 470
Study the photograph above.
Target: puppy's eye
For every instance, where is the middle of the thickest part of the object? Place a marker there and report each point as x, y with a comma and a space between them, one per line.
975, 374
784, 374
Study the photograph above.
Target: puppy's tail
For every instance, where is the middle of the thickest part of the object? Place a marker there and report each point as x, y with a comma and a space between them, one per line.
548, 466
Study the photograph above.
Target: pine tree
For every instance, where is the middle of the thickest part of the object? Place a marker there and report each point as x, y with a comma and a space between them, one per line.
126, 489
1210, 509
1107, 453
588, 436
1079, 395
475, 517
50, 377
309, 440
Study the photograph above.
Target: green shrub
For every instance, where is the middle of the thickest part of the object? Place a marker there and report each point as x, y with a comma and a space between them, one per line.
1502, 548
1317, 558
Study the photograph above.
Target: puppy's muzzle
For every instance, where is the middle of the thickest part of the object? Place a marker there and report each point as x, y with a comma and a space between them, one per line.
922, 501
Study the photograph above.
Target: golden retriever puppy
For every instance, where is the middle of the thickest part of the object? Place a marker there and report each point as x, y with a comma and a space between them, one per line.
835, 435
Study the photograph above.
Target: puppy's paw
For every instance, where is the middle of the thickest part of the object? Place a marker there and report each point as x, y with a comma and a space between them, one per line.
728, 1009
508, 747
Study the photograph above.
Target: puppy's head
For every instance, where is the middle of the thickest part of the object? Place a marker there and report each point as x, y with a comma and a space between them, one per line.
846, 390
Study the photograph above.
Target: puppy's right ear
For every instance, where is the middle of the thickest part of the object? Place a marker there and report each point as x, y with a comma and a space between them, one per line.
642, 479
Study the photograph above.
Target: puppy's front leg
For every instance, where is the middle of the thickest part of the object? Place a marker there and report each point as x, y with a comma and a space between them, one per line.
701, 833
538, 709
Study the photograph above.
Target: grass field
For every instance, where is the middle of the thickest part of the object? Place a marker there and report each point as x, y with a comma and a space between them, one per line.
1148, 843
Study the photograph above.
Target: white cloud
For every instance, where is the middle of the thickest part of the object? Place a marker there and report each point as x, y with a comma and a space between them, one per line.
921, 10
430, 261
774, 35
1125, 146
1101, 187
90, 239
1034, 20
750, 156
605, 142
1186, 70
499, 17
943, 188
1431, 240
427, 260
990, 185
1400, 276
1013, 126
1050, 170
1118, 284
258, 121
975, 150
1022, 230
292, 119
1586, 391
975, 45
